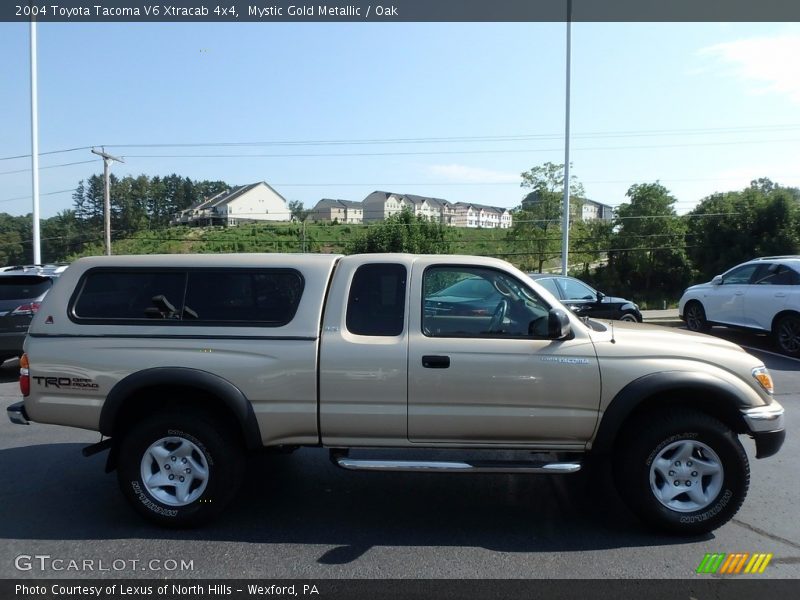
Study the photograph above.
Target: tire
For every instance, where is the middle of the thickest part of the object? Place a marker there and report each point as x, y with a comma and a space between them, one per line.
787, 335
664, 446
201, 447
628, 317
695, 316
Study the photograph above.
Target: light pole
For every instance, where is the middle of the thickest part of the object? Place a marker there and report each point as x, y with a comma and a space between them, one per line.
565, 207
37, 248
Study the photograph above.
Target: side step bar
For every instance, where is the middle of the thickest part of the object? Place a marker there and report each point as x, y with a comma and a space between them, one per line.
423, 466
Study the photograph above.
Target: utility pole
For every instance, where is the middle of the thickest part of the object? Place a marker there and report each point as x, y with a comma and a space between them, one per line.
37, 245
565, 208
107, 160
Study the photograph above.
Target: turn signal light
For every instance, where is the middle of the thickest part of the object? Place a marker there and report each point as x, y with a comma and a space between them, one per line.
763, 377
24, 376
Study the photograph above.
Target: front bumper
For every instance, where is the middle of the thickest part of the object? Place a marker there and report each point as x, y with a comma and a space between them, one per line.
766, 425
16, 414
769, 442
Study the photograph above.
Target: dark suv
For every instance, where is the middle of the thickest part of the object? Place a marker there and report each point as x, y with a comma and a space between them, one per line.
21, 291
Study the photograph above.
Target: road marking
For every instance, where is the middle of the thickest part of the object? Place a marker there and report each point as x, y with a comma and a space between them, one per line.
772, 353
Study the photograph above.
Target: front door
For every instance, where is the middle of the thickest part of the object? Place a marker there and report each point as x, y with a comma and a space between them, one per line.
482, 370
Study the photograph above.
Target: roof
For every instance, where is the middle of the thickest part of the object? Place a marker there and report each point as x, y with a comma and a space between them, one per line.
228, 196
415, 199
377, 196
596, 203
381, 196
335, 203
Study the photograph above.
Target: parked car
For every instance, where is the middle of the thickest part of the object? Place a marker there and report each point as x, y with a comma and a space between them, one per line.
759, 295
22, 289
585, 301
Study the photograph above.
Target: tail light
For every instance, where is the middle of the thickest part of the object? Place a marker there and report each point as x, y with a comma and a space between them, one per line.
24, 376
27, 309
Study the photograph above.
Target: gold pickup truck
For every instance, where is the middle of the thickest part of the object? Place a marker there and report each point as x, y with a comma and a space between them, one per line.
186, 362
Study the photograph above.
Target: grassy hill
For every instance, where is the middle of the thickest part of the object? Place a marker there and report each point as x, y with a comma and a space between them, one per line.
283, 237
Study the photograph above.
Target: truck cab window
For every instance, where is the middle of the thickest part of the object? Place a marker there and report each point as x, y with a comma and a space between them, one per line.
478, 302
377, 301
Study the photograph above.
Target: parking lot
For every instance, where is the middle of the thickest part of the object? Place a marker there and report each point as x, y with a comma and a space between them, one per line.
300, 517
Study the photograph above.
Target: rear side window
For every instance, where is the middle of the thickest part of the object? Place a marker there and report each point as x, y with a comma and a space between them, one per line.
377, 301
550, 285
131, 295
778, 275
14, 287
264, 297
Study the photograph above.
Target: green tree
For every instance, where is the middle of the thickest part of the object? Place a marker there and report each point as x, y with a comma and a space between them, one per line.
536, 231
649, 253
403, 232
761, 220
299, 213
589, 242
15, 239
61, 236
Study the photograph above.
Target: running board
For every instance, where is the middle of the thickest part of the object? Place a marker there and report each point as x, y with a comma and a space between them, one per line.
422, 466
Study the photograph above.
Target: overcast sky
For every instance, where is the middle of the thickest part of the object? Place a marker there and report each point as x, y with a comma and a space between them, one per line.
454, 111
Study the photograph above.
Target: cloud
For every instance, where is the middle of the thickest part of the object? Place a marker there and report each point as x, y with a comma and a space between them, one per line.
768, 64
465, 174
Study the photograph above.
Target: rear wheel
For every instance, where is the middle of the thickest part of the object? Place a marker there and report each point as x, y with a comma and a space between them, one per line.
180, 470
787, 335
695, 316
684, 472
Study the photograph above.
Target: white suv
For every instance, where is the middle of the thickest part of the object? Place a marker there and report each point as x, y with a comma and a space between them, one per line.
761, 295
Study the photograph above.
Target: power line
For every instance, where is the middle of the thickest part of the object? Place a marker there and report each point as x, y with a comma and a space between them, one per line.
460, 152
46, 153
81, 162
28, 197
470, 139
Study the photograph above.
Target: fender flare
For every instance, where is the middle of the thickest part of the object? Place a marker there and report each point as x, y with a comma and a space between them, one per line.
230, 395
632, 396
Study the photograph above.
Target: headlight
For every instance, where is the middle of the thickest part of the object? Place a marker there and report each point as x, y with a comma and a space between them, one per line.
764, 379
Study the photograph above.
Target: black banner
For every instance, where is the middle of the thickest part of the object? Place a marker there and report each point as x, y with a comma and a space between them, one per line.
702, 588
112, 11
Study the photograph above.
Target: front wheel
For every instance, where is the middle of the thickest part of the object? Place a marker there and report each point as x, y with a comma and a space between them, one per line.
629, 317
787, 335
695, 316
683, 472
180, 470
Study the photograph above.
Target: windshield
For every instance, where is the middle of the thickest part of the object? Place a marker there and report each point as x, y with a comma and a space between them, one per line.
23, 287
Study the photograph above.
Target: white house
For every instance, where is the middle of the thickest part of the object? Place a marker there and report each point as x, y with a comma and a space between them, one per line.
379, 206
478, 215
244, 204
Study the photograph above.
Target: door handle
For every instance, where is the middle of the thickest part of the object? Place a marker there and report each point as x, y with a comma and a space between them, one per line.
436, 362
780, 295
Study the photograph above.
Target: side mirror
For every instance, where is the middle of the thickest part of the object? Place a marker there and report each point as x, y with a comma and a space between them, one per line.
717, 280
600, 296
558, 325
